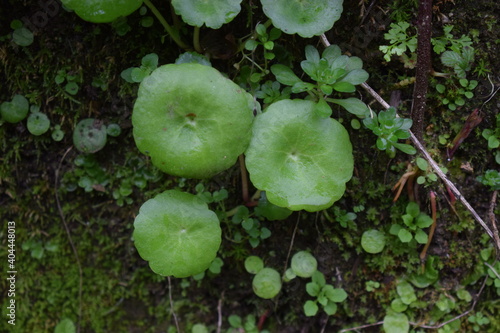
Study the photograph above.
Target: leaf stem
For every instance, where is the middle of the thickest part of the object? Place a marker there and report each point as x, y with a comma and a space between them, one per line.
173, 33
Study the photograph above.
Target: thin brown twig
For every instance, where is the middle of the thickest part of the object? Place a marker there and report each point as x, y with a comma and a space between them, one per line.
219, 313
430, 160
70, 239
172, 311
491, 213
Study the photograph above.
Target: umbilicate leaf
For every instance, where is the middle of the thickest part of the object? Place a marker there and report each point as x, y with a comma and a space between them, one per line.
373, 241
177, 234
300, 159
306, 18
102, 11
191, 120
38, 123
213, 13
267, 283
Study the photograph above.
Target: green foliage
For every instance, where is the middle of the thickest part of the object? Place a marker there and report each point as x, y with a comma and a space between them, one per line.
477, 320
413, 222
90, 135
253, 227
266, 283
213, 14
15, 110
453, 95
66, 325
399, 40
177, 234
396, 322
247, 325
21, 35
72, 79
333, 72
304, 264
102, 11
373, 241
325, 295
38, 123
136, 74
490, 178
460, 60
264, 39
493, 137
37, 248
304, 18
390, 129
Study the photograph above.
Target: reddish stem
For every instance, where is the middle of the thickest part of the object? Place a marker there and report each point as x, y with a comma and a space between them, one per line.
472, 121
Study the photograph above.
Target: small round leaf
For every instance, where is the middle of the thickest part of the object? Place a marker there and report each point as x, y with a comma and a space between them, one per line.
89, 135
191, 120
177, 234
306, 18
304, 264
16, 110
213, 13
113, 130
253, 264
267, 283
102, 11
300, 159
373, 241
38, 123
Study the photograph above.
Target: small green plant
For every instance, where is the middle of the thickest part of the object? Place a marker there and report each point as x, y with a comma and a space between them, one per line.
102, 11
136, 74
266, 283
453, 95
399, 41
38, 123
371, 285
37, 248
460, 60
90, 135
15, 110
72, 80
493, 137
252, 226
247, 325
413, 222
477, 320
264, 39
429, 177
325, 295
390, 129
21, 35
491, 178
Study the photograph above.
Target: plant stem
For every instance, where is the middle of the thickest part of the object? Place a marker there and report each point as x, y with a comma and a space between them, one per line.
173, 33
196, 40
423, 254
424, 27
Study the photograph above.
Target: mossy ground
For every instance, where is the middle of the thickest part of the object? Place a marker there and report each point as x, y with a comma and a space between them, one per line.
119, 291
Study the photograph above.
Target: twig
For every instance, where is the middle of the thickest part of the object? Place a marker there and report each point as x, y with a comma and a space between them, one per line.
172, 311
70, 239
430, 160
361, 327
219, 313
491, 213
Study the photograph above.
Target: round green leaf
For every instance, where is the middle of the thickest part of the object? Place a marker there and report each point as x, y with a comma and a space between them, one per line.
38, 123
304, 264
396, 323
89, 135
300, 159
191, 120
306, 18
113, 130
310, 308
16, 110
213, 13
373, 241
101, 11
267, 283
253, 264
177, 234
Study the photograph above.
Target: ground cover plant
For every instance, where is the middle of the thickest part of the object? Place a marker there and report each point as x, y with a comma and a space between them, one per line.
234, 166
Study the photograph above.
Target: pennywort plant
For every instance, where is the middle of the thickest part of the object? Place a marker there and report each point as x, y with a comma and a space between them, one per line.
390, 129
411, 227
